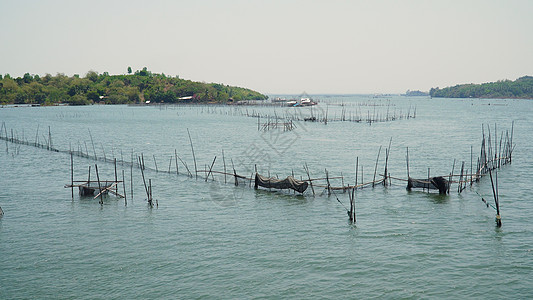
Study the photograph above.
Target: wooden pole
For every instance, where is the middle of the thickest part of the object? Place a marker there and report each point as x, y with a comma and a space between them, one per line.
176, 159
407, 159
356, 169
150, 193
210, 169
224, 161
155, 162
116, 177
511, 143
193, 156
376, 168
131, 176
450, 178
494, 192
387, 152
327, 180
36, 136
234, 173
89, 176
144, 181
103, 151
50, 138
72, 175
186, 167
124, 187
92, 142
309, 176
99, 185
428, 180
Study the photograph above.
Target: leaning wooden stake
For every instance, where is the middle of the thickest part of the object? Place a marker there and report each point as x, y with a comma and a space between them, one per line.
92, 142
376, 168
235, 173
309, 177
210, 169
155, 162
496, 200
193, 156
99, 185
144, 181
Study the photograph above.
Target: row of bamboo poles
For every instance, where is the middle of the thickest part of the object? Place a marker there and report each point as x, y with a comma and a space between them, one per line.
490, 158
317, 113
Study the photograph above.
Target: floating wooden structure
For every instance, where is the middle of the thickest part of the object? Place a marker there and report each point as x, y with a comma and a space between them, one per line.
280, 184
88, 188
438, 183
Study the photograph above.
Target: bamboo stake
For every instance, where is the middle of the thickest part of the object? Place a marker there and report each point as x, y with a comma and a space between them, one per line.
92, 142
376, 168
309, 176
131, 176
116, 177
210, 169
356, 168
407, 159
155, 162
495, 194
124, 188
234, 173
327, 180
144, 181
103, 150
185, 164
72, 175
89, 176
36, 136
450, 178
224, 161
176, 158
193, 156
99, 186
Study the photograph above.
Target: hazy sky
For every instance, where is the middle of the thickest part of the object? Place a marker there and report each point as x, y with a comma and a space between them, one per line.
275, 46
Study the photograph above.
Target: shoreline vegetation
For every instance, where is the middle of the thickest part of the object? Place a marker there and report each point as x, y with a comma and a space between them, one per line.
142, 86
521, 88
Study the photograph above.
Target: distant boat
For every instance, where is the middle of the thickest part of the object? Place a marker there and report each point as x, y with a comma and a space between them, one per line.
301, 102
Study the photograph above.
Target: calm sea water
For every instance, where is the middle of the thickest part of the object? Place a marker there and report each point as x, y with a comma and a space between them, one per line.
214, 240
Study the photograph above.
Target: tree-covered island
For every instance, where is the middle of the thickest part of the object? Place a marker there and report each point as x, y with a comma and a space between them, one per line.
522, 88
137, 87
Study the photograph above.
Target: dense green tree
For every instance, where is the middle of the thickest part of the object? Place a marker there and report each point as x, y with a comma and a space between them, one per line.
117, 89
129, 70
520, 88
92, 76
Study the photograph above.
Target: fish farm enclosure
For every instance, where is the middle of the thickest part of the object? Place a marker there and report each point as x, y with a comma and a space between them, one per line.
393, 197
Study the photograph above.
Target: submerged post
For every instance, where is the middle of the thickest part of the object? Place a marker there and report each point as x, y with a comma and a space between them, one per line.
71, 175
